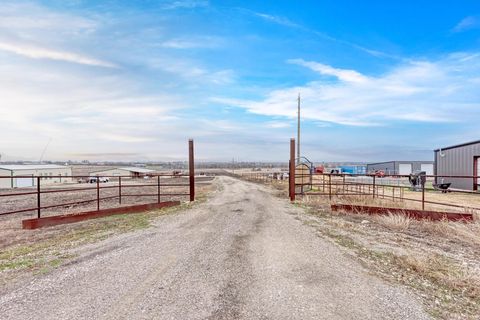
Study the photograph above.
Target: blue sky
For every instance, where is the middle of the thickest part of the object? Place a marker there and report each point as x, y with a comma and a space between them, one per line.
118, 80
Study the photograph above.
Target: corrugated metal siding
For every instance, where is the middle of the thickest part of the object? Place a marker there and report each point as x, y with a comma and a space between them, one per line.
457, 162
387, 167
392, 167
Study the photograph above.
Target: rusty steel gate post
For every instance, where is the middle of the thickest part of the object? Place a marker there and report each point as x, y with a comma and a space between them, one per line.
374, 186
98, 193
191, 164
38, 198
291, 169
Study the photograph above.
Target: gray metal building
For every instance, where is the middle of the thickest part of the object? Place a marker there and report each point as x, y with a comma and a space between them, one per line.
401, 167
459, 160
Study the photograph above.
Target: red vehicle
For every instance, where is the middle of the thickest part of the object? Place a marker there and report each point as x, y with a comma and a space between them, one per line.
379, 173
319, 169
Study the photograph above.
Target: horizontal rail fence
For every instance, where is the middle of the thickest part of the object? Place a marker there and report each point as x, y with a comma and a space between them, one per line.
73, 196
395, 188
264, 177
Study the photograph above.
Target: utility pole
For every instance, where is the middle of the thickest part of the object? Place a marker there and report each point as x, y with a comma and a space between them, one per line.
298, 131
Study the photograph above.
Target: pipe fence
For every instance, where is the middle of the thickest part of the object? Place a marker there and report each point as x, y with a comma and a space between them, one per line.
72, 195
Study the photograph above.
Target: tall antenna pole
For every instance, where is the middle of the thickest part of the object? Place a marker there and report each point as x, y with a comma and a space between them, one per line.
44, 149
298, 131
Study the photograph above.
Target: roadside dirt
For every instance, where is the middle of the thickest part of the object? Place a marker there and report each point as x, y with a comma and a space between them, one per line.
243, 254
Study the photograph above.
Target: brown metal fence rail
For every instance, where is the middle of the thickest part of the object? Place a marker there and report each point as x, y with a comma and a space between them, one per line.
121, 188
395, 188
62, 196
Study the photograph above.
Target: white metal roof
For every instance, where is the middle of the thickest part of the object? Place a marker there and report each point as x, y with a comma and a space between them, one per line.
135, 169
32, 167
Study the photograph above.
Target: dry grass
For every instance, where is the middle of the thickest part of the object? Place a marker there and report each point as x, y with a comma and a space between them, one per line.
395, 222
439, 261
467, 233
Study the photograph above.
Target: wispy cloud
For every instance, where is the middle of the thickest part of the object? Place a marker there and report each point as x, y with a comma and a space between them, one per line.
44, 53
186, 4
467, 23
193, 42
291, 24
418, 91
341, 74
277, 19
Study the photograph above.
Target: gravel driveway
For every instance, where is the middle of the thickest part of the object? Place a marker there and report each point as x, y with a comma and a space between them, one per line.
243, 254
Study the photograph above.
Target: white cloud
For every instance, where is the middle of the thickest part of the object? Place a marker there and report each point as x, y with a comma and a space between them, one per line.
467, 23
44, 53
193, 42
420, 91
341, 74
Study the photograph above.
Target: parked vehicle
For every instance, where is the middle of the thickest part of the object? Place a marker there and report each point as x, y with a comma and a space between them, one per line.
100, 179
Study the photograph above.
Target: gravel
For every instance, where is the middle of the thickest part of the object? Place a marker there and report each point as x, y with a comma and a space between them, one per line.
243, 254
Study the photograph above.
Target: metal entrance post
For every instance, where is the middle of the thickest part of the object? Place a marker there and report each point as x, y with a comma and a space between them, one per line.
191, 164
38, 198
291, 174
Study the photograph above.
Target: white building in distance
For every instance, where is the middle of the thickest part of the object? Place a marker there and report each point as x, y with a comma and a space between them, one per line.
131, 172
27, 173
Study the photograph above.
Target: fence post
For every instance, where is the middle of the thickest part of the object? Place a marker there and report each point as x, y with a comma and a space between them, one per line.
291, 174
158, 188
191, 165
423, 196
98, 193
38, 197
120, 190
373, 186
330, 186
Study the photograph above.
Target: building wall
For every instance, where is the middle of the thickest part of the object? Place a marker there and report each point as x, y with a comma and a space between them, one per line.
387, 167
392, 167
111, 172
5, 183
48, 176
457, 162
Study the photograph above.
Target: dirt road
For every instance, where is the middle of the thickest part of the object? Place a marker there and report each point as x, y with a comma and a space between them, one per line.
243, 254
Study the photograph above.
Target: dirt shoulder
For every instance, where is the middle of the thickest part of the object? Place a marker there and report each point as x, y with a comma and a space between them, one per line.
439, 261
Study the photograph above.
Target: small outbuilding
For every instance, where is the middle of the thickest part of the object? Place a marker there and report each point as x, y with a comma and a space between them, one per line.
26, 173
459, 160
401, 167
131, 172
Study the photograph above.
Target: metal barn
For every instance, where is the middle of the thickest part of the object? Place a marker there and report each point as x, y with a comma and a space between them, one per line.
401, 167
49, 174
132, 172
459, 160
